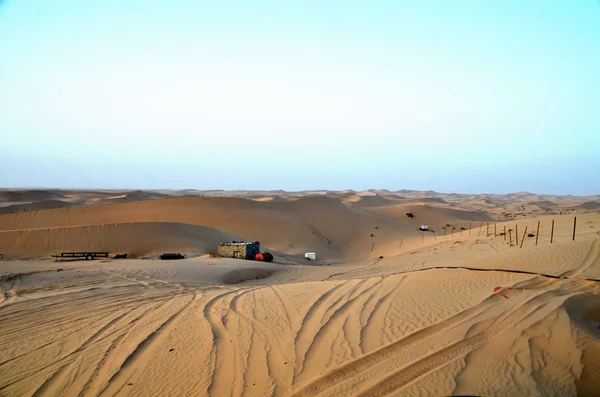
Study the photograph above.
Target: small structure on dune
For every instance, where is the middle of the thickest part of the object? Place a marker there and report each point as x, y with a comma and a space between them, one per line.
239, 249
311, 256
424, 228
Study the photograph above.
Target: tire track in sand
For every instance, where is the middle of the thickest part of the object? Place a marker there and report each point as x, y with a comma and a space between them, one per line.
141, 352
71, 357
379, 363
590, 259
405, 376
365, 362
334, 320
69, 361
303, 336
222, 350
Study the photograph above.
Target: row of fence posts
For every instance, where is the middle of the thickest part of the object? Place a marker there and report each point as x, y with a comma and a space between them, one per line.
537, 233
510, 237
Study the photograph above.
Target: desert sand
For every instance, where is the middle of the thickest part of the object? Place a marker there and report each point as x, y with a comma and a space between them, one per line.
385, 310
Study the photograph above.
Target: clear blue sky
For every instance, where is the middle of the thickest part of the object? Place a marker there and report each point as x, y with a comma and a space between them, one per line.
454, 96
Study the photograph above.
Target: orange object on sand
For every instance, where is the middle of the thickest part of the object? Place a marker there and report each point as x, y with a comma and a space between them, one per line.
259, 257
498, 289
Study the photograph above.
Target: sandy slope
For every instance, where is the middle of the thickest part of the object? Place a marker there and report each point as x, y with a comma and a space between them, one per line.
465, 314
322, 224
135, 239
172, 328
433, 215
588, 205
35, 206
30, 195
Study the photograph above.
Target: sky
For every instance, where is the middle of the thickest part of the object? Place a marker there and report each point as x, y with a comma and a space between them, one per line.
453, 96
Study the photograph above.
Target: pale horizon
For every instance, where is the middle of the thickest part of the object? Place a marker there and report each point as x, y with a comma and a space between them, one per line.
309, 190
461, 97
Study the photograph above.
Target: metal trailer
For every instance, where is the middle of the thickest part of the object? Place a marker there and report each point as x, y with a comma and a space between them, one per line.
87, 255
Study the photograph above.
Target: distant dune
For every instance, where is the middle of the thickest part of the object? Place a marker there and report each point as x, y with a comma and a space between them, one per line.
544, 204
434, 216
425, 200
29, 195
137, 195
588, 205
368, 201
37, 206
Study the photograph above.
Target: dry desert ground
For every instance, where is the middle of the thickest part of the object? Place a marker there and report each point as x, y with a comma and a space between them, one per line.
384, 310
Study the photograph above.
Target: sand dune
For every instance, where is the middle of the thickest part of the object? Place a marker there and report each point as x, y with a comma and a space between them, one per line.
134, 196
484, 204
36, 206
29, 195
588, 205
543, 203
393, 312
370, 201
314, 223
434, 216
136, 239
425, 200
85, 197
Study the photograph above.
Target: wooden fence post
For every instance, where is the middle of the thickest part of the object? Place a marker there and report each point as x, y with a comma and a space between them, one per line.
401, 240
504, 232
469, 227
495, 234
372, 245
516, 234
574, 227
552, 232
487, 229
523, 239
537, 233
510, 236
